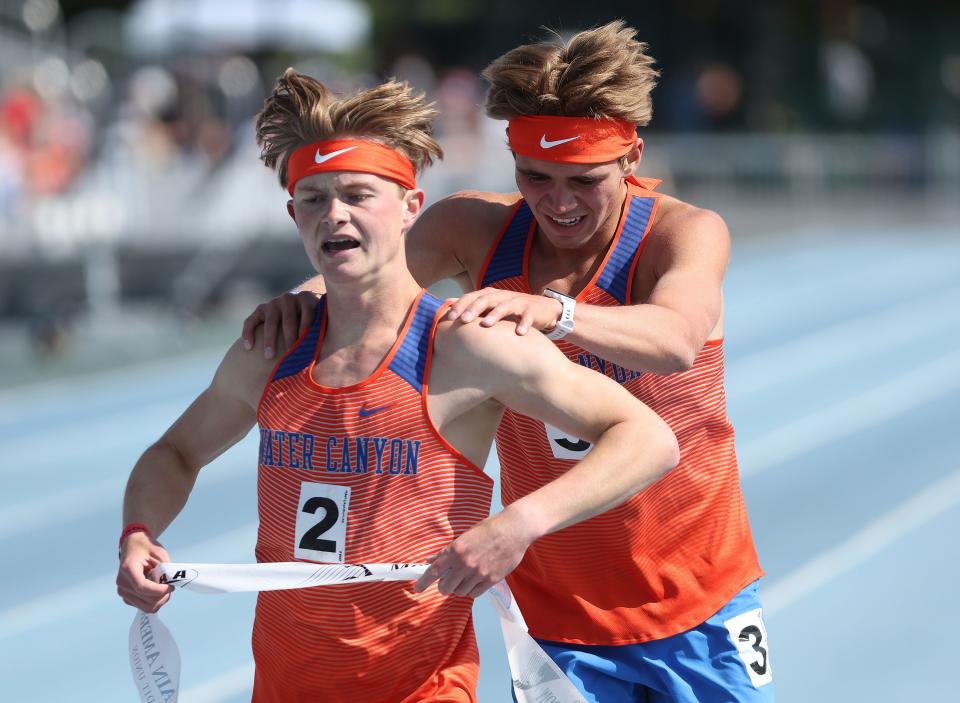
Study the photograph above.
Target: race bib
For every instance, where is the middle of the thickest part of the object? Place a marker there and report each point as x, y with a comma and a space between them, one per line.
566, 446
750, 636
321, 529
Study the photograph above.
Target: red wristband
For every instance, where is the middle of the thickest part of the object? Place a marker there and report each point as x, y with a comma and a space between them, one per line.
131, 528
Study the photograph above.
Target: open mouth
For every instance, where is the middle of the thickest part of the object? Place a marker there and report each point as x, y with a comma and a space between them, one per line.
567, 221
332, 246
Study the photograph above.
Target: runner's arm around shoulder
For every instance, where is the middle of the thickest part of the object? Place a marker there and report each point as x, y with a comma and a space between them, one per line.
164, 476
679, 278
632, 447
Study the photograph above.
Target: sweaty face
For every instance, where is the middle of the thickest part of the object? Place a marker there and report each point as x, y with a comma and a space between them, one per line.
572, 202
351, 223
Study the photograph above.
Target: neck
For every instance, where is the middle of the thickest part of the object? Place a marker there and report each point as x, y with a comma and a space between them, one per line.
363, 311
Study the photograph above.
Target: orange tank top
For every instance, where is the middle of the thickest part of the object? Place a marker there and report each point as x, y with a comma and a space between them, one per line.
360, 474
672, 555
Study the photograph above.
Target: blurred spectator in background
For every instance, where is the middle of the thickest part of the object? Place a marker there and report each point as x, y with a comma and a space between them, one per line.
44, 143
459, 95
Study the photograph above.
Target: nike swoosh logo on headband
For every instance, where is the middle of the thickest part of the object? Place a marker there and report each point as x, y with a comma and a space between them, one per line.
320, 158
546, 144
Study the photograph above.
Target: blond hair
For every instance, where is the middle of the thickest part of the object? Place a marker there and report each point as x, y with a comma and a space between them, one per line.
601, 72
302, 110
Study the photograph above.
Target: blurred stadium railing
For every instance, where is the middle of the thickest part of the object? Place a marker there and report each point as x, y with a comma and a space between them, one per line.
129, 174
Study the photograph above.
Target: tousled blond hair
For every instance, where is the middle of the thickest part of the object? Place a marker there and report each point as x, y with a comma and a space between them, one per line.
601, 72
302, 110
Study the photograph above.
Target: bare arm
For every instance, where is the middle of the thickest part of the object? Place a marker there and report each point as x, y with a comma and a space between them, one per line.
666, 332
680, 283
529, 375
164, 476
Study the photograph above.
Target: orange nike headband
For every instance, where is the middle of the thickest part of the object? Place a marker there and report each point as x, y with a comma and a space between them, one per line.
572, 140
358, 155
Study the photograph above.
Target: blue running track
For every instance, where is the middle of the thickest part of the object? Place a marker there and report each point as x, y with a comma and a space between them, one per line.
844, 387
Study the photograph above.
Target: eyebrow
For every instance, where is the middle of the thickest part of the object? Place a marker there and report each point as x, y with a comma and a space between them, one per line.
349, 185
580, 176
312, 188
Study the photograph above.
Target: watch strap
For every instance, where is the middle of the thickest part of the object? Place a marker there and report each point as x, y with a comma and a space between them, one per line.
564, 325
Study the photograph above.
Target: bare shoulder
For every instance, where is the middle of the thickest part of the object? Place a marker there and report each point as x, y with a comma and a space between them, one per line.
683, 232
245, 373
679, 220
481, 202
475, 349
474, 209
472, 218
467, 343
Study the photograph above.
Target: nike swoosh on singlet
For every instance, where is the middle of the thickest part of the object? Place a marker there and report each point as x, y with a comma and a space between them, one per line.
547, 144
320, 158
367, 413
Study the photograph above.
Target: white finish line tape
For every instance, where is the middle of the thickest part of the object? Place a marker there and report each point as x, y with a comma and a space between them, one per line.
278, 576
155, 657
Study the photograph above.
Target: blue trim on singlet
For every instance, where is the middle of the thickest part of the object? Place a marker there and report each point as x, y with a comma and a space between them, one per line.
410, 360
615, 277
507, 259
302, 355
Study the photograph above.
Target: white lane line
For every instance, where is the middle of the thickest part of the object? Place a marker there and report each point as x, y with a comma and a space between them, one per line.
51, 390
222, 687
910, 515
66, 505
107, 434
100, 591
880, 404
844, 341
90, 499
813, 293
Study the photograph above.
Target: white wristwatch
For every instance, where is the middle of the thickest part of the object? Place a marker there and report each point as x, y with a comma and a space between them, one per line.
564, 325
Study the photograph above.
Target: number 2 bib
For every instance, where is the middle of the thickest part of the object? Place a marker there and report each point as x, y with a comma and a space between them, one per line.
321, 530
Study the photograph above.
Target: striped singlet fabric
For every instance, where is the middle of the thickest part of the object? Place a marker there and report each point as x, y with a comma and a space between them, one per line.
672, 555
359, 474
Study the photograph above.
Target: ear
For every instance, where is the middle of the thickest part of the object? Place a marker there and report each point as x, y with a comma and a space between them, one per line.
293, 215
633, 158
412, 206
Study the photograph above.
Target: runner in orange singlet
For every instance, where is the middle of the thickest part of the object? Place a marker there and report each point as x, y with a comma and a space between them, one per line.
374, 425
656, 599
